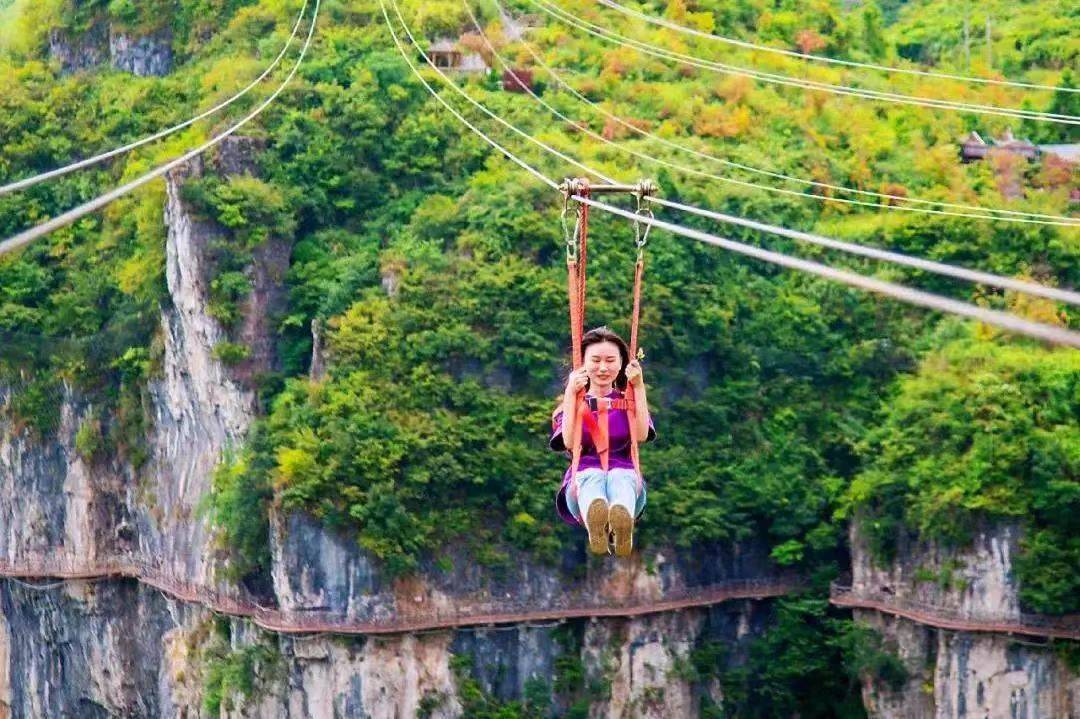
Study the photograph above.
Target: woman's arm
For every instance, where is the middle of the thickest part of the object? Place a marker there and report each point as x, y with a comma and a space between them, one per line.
641, 403
574, 384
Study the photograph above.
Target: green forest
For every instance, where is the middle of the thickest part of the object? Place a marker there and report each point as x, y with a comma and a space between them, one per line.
786, 406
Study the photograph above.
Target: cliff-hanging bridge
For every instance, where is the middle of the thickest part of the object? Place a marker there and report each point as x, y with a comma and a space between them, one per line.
418, 615
409, 615
1066, 626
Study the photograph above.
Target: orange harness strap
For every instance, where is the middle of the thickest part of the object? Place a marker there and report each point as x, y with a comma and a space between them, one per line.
576, 287
599, 426
631, 411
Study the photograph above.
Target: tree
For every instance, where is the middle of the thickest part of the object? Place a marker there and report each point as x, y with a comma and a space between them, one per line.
873, 30
1066, 101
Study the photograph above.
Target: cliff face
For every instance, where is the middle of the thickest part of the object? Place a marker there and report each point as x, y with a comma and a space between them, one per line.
325, 575
976, 581
972, 674
80, 650
147, 55
199, 408
52, 502
119, 647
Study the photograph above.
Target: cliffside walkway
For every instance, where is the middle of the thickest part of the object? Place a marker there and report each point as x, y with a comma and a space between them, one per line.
1066, 626
407, 615
413, 615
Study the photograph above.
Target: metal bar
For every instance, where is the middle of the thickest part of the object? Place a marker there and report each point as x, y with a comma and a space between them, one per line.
571, 186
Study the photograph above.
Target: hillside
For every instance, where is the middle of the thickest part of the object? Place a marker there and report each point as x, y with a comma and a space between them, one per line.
348, 326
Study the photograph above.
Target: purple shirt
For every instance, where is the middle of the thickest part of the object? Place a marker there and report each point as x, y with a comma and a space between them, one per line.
618, 456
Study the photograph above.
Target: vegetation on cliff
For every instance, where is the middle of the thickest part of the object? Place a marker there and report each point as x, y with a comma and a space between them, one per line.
435, 268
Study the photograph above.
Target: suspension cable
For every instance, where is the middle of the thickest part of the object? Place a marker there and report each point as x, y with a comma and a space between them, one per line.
540, 143
477, 131
1004, 320
28, 236
943, 269
929, 266
917, 297
853, 248
929, 300
42, 177
1059, 220
652, 19
940, 268
622, 40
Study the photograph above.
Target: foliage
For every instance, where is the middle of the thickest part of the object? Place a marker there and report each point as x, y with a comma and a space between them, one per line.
89, 441
433, 269
252, 212
251, 208
866, 656
238, 507
981, 433
792, 669
230, 675
569, 694
476, 703
231, 353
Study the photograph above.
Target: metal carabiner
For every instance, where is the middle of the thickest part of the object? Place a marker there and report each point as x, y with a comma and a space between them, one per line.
570, 236
642, 237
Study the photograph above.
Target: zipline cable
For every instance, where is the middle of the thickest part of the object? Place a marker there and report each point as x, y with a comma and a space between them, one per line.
1004, 320
540, 143
1059, 220
480, 133
671, 55
1012, 323
850, 247
940, 268
652, 19
622, 40
28, 236
42, 177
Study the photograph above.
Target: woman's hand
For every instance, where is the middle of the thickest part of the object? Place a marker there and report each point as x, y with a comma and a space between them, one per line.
633, 374
577, 380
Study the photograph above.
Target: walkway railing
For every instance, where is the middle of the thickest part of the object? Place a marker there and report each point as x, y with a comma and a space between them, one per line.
1066, 626
405, 615
401, 615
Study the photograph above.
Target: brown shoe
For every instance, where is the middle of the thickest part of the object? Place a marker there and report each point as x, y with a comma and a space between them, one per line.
622, 526
596, 521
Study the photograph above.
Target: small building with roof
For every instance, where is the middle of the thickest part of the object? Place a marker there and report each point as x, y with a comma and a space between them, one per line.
447, 54
975, 148
443, 53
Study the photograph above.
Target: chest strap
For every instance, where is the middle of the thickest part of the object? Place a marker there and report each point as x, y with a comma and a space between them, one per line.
608, 404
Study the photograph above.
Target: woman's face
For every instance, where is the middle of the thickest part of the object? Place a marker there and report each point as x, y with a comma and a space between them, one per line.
603, 362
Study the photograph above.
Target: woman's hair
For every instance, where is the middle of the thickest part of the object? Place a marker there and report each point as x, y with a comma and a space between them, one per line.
603, 334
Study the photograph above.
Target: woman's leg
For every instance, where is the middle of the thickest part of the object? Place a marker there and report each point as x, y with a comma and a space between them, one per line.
623, 499
591, 507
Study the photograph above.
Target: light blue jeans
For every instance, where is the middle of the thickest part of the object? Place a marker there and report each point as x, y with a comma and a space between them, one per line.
617, 486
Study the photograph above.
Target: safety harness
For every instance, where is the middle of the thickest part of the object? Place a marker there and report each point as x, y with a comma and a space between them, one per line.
594, 413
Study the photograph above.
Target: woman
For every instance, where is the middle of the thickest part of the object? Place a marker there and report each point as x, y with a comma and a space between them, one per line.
612, 500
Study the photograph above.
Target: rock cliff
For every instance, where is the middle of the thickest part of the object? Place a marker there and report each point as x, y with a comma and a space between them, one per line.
119, 647
954, 673
144, 56
114, 646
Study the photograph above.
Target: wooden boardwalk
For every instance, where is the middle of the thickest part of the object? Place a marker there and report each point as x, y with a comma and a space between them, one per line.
410, 618
1066, 626
473, 612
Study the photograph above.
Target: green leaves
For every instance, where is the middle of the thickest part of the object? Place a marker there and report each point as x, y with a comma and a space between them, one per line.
252, 209
983, 432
